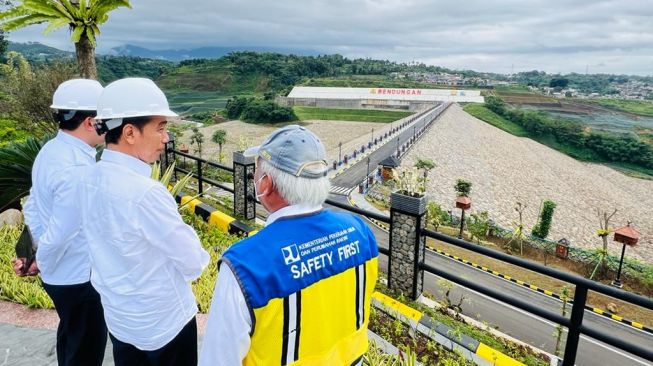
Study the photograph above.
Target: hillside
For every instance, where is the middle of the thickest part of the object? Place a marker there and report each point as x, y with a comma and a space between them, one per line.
495, 161
176, 55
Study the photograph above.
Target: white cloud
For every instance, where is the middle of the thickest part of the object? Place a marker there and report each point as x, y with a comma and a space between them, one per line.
554, 35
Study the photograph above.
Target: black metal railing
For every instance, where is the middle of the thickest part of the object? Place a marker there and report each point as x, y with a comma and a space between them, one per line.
574, 323
199, 173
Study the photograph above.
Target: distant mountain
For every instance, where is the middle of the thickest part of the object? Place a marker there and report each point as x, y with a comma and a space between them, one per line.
35, 51
177, 55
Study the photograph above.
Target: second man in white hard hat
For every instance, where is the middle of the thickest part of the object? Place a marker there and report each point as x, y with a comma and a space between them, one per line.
51, 212
143, 255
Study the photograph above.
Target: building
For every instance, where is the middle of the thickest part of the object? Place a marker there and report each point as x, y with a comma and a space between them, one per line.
393, 98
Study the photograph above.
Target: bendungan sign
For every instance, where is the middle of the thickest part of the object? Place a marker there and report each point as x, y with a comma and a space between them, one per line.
395, 91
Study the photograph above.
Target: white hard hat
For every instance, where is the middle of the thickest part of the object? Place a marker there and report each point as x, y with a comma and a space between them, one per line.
77, 95
132, 97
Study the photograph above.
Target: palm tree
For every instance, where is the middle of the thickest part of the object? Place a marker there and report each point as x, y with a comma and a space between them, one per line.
83, 18
219, 137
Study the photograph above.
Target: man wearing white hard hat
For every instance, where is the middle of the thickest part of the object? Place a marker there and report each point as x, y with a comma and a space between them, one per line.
143, 255
52, 215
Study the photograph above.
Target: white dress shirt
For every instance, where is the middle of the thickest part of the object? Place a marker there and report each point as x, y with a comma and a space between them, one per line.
143, 255
52, 212
226, 339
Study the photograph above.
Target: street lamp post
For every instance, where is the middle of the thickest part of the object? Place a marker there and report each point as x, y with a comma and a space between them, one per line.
367, 181
626, 235
339, 152
463, 203
397, 146
372, 136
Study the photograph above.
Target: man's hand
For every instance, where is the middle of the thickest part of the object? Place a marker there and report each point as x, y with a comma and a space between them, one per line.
19, 263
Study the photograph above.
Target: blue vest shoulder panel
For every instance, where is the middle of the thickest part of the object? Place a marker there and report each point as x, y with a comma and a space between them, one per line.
292, 253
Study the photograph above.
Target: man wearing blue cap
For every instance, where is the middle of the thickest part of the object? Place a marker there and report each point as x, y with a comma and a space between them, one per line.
297, 292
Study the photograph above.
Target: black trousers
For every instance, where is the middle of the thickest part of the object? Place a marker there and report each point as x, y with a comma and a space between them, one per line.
180, 351
82, 332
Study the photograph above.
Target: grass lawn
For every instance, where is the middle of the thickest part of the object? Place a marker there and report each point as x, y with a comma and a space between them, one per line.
641, 107
484, 114
360, 115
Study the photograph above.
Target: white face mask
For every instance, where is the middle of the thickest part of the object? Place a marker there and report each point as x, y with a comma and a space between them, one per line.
259, 195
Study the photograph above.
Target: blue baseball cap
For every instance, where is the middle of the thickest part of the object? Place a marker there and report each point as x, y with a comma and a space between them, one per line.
295, 150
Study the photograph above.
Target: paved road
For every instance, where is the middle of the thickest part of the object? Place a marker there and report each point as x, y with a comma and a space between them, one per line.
358, 171
519, 324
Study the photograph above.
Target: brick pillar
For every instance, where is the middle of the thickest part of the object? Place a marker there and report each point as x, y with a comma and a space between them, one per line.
407, 244
244, 186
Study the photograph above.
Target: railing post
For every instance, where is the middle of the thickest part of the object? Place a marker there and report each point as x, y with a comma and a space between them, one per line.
199, 177
576, 320
244, 186
168, 154
407, 244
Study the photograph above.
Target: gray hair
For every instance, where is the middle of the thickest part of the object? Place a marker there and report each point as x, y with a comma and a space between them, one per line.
297, 190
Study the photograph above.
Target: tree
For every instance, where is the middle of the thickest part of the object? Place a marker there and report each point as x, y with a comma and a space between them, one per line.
518, 233
219, 137
603, 231
541, 229
197, 138
478, 225
83, 18
3, 46
564, 297
463, 187
29, 92
436, 216
559, 83
425, 165
495, 104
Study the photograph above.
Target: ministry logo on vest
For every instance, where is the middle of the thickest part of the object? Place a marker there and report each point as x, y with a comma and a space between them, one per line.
290, 254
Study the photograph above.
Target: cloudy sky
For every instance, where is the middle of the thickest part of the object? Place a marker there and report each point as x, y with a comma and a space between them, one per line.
614, 36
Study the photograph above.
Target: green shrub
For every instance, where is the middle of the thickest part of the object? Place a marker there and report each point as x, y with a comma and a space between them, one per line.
436, 216
23, 290
463, 187
265, 111
215, 242
235, 106
9, 132
16, 160
478, 225
541, 229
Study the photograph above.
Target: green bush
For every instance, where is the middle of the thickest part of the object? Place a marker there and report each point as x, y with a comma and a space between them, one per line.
235, 106
606, 146
9, 132
16, 160
258, 110
215, 242
541, 229
478, 225
463, 188
23, 290
436, 216
265, 111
